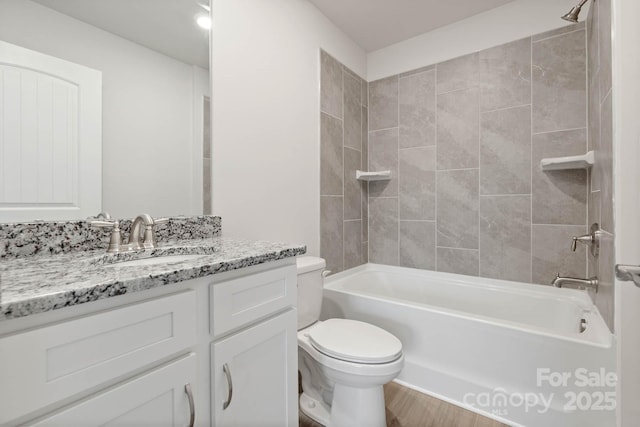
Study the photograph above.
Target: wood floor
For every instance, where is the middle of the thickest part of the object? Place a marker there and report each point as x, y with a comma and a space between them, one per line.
408, 408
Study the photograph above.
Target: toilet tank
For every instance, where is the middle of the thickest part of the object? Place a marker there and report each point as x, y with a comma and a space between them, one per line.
310, 285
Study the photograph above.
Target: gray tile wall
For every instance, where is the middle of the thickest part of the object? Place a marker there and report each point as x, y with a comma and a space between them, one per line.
601, 140
343, 150
463, 140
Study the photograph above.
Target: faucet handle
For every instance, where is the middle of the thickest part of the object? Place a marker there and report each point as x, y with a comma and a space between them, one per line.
592, 240
587, 239
149, 240
115, 241
105, 224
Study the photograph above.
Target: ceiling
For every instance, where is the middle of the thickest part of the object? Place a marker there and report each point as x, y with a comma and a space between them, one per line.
374, 24
166, 26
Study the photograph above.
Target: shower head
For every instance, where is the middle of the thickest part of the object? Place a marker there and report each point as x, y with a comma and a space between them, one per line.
572, 16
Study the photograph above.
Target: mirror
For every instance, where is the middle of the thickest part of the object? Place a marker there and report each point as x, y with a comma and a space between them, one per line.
154, 60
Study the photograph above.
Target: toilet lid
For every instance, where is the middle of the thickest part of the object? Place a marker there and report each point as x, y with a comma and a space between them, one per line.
355, 341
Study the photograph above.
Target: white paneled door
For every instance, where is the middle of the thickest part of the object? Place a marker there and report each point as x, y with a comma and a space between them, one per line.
50, 137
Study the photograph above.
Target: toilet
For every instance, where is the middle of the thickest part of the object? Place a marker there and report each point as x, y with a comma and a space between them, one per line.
343, 363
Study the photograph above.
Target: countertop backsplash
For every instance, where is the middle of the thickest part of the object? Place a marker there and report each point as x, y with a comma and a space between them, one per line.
47, 238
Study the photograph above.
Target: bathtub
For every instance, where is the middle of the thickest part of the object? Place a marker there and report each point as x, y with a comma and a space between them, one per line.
523, 354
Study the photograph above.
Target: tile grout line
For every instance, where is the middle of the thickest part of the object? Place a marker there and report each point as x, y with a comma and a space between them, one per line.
398, 164
417, 147
505, 195
329, 114
601, 101
588, 133
360, 185
435, 172
351, 148
454, 170
366, 168
344, 195
367, 182
535, 224
458, 249
383, 129
479, 172
556, 130
531, 157
416, 73
454, 90
506, 108
320, 227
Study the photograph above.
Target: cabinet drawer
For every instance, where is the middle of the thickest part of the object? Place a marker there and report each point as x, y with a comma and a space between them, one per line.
239, 302
156, 399
46, 365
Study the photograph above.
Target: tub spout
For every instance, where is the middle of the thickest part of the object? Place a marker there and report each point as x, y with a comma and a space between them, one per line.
574, 282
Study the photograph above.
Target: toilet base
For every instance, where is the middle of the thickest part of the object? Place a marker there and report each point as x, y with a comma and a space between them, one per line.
351, 407
358, 407
317, 411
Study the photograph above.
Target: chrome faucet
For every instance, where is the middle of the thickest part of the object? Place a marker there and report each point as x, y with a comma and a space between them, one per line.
574, 282
139, 237
136, 239
147, 235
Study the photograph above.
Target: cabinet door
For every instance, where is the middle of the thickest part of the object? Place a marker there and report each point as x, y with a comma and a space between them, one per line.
71, 358
260, 383
155, 399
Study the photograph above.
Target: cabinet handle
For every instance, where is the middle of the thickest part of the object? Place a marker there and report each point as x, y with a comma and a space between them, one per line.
227, 373
192, 406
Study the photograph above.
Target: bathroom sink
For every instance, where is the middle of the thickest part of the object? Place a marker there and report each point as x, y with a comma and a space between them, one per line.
157, 260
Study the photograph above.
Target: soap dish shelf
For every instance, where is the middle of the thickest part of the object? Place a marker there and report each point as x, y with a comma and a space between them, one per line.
373, 176
583, 161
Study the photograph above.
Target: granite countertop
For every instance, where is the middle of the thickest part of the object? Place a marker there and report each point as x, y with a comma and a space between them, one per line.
41, 283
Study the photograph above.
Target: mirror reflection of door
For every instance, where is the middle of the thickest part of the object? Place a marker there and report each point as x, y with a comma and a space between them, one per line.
50, 137
154, 60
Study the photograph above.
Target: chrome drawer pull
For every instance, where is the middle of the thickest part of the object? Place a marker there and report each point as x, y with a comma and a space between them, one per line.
192, 406
227, 373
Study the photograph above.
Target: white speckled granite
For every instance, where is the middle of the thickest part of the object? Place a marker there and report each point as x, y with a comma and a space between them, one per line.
36, 284
40, 238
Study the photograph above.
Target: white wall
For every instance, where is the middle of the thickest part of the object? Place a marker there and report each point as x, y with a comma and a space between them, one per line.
200, 90
266, 114
147, 108
513, 21
626, 104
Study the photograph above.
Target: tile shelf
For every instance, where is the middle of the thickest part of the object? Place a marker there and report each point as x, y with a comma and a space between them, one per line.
583, 161
373, 176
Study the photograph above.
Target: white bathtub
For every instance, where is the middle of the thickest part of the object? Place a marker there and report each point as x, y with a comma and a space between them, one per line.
511, 351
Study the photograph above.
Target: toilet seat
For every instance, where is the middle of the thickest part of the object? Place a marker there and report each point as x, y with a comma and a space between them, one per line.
354, 341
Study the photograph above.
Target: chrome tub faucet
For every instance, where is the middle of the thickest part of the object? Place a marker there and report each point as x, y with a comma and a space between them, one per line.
574, 282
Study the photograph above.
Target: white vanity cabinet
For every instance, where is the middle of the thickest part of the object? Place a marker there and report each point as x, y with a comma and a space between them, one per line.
71, 359
254, 361
254, 375
127, 360
160, 398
